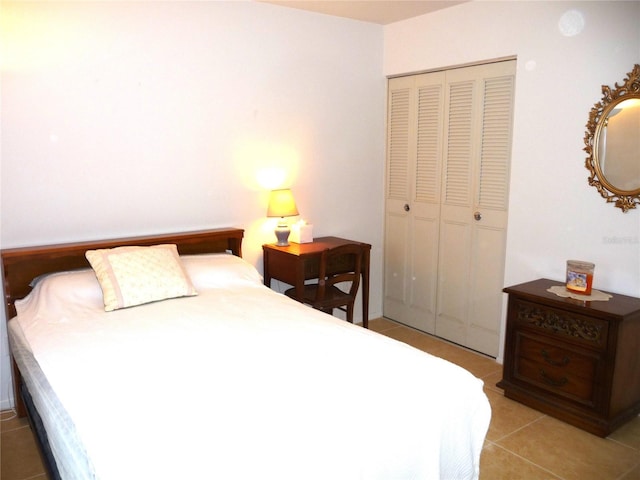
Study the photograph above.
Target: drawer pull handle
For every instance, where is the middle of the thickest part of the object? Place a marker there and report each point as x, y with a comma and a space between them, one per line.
550, 361
553, 382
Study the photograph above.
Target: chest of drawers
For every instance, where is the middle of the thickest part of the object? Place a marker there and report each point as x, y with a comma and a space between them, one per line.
574, 360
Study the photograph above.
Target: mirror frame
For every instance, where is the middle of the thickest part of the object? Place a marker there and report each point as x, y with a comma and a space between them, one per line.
624, 199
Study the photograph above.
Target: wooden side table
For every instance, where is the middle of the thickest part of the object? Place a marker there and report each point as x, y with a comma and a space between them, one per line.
577, 361
298, 262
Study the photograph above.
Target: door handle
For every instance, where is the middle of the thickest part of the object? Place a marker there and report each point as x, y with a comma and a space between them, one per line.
406, 207
477, 216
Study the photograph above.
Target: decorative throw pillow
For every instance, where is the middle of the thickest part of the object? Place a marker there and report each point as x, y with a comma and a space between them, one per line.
132, 276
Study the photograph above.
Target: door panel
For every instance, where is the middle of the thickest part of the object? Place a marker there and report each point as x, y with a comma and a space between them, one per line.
453, 280
485, 306
395, 257
423, 281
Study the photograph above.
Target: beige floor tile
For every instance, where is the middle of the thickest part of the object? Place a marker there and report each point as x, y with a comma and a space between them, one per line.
570, 452
414, 338
7, 414
496, 463
10, 421
381, 324
19, 453
476, 363
492, 379
633, 474
508, 416
628, 434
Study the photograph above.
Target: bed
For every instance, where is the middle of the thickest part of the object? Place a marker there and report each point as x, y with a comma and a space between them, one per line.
227, 379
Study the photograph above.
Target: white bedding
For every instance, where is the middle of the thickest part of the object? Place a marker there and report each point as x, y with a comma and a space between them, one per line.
72, 461
240, 382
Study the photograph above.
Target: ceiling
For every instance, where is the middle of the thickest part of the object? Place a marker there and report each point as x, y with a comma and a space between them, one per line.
382, 12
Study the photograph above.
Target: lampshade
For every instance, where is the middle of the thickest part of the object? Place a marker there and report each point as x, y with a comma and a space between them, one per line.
282, 204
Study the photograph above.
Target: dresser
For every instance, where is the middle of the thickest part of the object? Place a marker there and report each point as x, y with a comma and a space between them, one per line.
574, 360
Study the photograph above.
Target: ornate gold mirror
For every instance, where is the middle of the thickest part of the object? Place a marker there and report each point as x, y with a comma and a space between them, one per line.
613, 143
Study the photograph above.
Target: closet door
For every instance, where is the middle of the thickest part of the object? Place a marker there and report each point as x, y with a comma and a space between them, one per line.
473, 218
414, 151
448, 157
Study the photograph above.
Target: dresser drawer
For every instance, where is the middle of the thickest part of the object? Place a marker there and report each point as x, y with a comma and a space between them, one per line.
579, 329
568, 373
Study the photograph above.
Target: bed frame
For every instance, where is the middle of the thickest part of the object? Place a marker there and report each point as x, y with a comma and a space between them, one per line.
21, 265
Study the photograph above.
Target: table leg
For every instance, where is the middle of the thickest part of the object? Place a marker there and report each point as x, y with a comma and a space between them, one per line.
365, 288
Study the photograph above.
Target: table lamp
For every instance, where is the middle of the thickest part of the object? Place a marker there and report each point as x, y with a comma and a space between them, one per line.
282, 204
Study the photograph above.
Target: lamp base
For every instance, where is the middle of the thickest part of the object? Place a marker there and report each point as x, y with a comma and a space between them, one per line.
282, 234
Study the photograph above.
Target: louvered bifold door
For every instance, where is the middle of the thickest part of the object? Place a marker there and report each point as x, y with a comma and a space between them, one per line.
414, 136
400, 150
475, 180
425, 207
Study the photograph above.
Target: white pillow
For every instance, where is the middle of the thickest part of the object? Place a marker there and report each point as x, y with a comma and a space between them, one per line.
53, 292
214, 270
132, 276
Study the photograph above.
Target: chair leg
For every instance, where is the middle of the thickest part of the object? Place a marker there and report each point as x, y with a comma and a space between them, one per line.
350, 313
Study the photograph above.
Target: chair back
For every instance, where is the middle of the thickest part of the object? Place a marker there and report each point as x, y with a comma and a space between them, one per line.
339, 265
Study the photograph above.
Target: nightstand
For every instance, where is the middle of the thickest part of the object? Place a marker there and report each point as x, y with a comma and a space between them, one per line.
577, 361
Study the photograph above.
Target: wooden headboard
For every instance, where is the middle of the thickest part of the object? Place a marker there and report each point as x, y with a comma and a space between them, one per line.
21, 265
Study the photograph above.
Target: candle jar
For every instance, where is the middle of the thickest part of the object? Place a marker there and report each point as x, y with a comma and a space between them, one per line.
580, 276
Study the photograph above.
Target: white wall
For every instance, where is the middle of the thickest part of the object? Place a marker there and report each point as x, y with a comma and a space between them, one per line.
126, 118
554, 215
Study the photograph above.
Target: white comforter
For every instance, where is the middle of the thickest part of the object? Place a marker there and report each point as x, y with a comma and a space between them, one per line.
241, 382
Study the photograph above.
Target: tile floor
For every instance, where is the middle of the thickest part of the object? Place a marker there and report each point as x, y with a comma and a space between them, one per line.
19, 457
521, 443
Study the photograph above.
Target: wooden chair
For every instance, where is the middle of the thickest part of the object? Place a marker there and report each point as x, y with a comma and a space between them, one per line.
338, 265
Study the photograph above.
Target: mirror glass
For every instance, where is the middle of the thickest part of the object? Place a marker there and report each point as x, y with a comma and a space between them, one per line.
619, 145
613, 143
